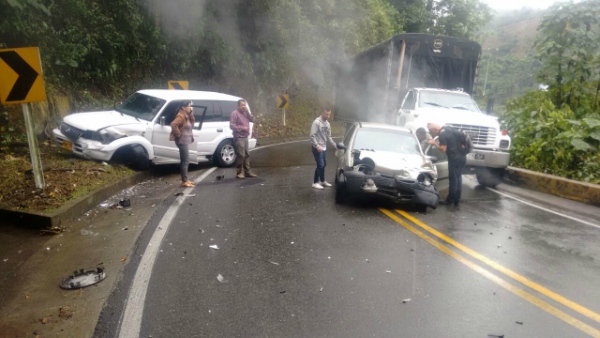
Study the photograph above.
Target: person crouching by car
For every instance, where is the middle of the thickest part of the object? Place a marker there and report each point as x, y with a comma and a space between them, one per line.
320, 133
181, 133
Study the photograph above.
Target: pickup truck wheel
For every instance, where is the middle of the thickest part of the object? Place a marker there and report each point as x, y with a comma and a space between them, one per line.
489, 177
225, 155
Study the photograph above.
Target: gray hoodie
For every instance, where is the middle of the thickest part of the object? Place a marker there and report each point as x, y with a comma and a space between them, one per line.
320, 132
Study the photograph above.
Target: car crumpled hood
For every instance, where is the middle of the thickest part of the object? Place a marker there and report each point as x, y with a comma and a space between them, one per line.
392, 163
99, 120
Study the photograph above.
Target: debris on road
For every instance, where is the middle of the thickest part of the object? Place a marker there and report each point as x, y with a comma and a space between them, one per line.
65, 312
44, 320
321, 289
275, 263
520, 323
51, 231
214, 246
220, 177
495, 336
404, 301
80, 279
388, 271
220, 278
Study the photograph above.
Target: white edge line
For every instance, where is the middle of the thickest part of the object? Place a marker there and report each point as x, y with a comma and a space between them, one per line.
545, 209
134, 308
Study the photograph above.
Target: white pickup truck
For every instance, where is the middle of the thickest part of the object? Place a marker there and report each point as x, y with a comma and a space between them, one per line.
455, 108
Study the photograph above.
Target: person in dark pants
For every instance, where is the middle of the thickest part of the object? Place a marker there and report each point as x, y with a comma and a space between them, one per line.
239, 122
449, 142
181, 133
320, 133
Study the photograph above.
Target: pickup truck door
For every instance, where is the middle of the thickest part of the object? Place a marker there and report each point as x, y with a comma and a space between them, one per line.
407, 109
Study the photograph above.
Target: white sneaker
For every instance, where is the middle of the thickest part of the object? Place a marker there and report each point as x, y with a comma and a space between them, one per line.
317, 186
325, 184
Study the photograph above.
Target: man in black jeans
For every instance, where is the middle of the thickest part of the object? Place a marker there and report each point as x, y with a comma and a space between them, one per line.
449, 142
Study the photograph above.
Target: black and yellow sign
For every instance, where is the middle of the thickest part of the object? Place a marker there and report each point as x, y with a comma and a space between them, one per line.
283, 101
21, 79
181, 85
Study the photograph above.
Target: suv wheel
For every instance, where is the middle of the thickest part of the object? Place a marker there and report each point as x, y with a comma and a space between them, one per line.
225, 155
135, 157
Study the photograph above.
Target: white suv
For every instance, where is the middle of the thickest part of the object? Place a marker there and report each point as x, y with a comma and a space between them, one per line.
137, 131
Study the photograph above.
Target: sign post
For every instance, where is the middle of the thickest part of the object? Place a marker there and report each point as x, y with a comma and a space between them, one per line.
22, 82
283, 103
179, 85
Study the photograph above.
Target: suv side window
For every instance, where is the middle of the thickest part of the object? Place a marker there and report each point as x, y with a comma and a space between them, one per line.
227, 107
212, 115
170, 112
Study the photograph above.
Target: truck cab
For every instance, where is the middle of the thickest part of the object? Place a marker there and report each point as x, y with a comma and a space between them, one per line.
456, 108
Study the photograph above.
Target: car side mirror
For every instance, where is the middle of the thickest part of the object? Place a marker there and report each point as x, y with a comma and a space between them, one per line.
162, 121
341, 146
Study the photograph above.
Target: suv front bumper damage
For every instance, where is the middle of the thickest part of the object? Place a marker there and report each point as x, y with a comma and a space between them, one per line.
396, 190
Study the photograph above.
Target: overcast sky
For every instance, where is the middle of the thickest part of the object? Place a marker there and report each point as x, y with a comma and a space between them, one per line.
518, 4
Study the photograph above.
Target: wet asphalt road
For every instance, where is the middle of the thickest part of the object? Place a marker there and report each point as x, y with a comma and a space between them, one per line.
295, 264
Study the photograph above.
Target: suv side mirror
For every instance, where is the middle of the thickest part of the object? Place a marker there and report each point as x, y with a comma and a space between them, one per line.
341, 146
162, 121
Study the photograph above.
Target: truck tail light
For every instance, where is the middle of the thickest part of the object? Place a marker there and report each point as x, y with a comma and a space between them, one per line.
504, 132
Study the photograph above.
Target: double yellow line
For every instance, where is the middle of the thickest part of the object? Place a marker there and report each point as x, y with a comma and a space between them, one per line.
517, 291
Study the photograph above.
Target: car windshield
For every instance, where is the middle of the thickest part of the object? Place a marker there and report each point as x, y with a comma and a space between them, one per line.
447, 100
386, 140
141, 106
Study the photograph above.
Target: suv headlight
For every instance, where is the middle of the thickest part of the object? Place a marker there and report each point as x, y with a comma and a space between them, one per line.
108, 135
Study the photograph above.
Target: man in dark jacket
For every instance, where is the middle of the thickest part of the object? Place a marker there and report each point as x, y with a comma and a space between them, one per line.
449, 142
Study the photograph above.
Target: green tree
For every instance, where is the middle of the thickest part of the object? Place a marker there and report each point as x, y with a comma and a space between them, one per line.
568, 47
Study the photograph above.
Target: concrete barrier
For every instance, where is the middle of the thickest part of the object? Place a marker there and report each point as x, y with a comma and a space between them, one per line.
574, 190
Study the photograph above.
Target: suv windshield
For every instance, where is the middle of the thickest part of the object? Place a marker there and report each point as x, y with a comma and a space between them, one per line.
447, 100
141, 106
386, 140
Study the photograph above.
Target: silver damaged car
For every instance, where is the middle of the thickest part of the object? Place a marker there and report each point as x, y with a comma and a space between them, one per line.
386, 161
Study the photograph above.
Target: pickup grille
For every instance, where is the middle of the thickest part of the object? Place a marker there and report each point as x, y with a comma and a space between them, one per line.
70, 131
481, 136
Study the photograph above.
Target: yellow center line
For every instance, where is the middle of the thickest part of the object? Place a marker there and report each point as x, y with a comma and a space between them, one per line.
521, 293
548, 293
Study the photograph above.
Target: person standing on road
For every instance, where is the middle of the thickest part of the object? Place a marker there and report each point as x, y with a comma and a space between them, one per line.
181, 133
320, 133
239, 122
449, 142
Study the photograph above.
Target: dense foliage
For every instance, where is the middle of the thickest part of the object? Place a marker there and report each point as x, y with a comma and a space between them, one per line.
558, 131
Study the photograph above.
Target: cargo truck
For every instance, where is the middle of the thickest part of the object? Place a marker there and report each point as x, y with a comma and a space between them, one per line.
412, 79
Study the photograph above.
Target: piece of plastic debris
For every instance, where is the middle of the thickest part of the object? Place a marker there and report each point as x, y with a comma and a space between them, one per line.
404, 301
274, 263
125, 203
220, 177
388, 271
282, 292
125, 228
214, 246
495, 336
520, 323
321, 289
291, 242
123, 259
80, 279
220, 278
